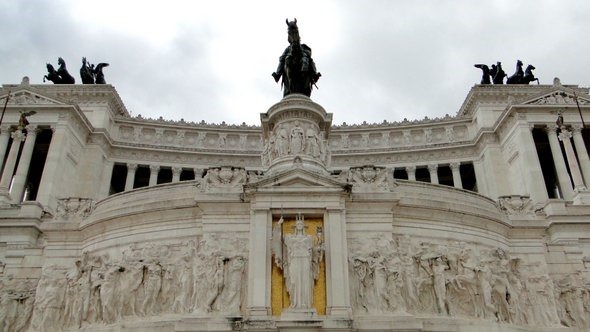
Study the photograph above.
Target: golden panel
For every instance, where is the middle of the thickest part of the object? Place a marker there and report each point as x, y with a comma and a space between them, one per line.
278, 292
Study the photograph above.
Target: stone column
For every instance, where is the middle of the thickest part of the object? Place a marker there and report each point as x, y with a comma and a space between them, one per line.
337, 283
4, 136
24, 163
582, 154
529, 164
52, 173
131, 168
259, 264
17, 138
107, 174
562, 175
411, 170
565, 136
432, 169
455, 168
176, 173
154, 169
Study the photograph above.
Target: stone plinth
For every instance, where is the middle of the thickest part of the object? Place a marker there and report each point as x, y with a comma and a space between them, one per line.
295, 133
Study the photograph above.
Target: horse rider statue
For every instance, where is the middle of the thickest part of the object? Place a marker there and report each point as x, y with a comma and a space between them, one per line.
296, 67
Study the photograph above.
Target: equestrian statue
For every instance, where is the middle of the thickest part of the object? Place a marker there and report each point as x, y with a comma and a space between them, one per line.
296, 67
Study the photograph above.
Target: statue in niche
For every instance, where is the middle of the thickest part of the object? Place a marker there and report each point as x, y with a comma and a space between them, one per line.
296, 139
282, 142
312, 143
296, 67
299, 256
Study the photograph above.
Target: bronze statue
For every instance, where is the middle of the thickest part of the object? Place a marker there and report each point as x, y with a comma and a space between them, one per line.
87, 72
529, 76
59, 76
497, 73
485, 78
90, 74
517, 77
296, 67
22, 120
99, 74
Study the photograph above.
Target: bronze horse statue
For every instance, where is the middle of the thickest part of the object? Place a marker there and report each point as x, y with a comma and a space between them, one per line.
90, 74
52, 75
296, 67
529, 76
59, 76
517, 77
86, 72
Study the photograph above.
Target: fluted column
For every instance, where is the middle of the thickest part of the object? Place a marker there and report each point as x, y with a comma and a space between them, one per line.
51, 180
565, 136
433, 170
455, 168
411, 170
24, 164
4, 136
176, 174
582, 154
562, 175
17, 138
154, 169
131, 168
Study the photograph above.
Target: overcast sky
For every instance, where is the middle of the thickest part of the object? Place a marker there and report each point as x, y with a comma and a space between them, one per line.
212, 60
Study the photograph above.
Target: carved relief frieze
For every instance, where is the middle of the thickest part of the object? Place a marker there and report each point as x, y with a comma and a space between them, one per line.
518, 206
148, 279
293, 139
369, 178
225, 178
73, 208
559, 98
456, 279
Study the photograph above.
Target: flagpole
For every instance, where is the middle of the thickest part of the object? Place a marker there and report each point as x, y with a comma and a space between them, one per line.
4, 108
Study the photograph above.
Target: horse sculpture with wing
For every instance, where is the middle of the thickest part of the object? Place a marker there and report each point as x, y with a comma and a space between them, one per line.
296, 67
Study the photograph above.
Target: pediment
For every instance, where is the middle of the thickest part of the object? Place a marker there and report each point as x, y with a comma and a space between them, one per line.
558, 96
299, 178
26, 97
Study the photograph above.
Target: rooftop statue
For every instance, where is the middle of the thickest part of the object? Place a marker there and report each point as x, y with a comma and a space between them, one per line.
59, 76
90, 74
518, 76
497, 73
485, 78
296, 67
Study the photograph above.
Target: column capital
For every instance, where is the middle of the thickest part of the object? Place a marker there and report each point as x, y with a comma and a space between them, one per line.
565, 135
432, 167
32, 129
577, 129
154, 168
176, 169
17, 135
131, 167
411, 168
454, 165
551, 129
